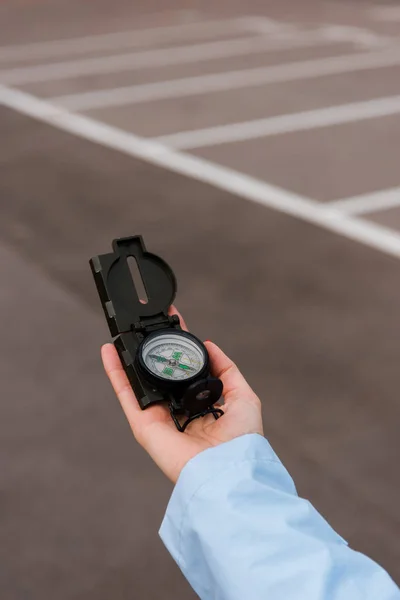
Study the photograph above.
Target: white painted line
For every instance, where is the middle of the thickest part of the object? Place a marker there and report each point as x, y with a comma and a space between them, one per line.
264, 25
302, 121
368, 203
124, 39
158, 58
364, 38
232, 181
385, 13
359, 37
216, 82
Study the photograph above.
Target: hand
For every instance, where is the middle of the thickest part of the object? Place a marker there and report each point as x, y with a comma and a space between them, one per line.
154, 429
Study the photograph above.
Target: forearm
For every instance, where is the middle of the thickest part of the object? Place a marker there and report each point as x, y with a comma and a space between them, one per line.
237, 529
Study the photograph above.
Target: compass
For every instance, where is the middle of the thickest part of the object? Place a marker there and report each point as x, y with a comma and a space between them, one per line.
162, 362
173, 356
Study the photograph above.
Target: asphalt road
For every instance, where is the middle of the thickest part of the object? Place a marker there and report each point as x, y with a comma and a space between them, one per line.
310, 313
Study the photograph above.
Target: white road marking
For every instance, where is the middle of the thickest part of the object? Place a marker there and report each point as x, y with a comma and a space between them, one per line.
289, 123
216, 82
159, 58
368, 203
232, 181
264, 25
124, 39
385, 13
358, 35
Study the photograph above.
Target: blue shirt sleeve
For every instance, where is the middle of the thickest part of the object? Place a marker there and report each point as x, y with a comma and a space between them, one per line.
238, 531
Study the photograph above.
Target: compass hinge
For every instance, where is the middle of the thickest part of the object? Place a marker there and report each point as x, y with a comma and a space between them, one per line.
155, 323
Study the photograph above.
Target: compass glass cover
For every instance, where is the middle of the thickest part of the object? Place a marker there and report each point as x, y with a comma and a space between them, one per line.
173, 357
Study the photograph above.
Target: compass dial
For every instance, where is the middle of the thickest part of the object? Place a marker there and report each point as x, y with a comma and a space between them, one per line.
173, 356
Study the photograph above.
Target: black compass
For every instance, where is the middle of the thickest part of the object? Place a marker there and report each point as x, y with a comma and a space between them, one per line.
163, 363
173, 357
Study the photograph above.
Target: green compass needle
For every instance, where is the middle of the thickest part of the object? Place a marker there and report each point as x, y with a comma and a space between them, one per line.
158, 358
185, 367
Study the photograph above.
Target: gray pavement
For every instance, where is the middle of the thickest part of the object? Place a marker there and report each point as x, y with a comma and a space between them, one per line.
311, 317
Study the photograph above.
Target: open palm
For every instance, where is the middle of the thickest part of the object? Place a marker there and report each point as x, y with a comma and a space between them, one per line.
154, 429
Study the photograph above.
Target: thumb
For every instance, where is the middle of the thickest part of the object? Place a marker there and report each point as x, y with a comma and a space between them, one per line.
235, 385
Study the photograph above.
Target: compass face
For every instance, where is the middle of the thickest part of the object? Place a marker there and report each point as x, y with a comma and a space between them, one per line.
173, 357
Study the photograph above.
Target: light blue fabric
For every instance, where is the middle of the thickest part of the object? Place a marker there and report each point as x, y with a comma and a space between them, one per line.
238, 530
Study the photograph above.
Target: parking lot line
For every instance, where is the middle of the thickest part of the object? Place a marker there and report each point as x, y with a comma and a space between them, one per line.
368, 203
162, 57
289, 123
124, 39
358, 35
260, 24
229, 180
216, 82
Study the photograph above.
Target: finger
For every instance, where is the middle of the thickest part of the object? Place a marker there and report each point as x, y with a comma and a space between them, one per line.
174, 311
153, 428
121, 385
235, 385
138, 419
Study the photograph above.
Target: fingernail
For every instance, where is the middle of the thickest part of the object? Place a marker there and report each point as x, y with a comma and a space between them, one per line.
208, 340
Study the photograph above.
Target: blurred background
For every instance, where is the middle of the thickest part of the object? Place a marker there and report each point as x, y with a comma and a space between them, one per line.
255, 146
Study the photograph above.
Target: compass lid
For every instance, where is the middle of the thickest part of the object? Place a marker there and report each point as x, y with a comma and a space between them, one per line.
118, 293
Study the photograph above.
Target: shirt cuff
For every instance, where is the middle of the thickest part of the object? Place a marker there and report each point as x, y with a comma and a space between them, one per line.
202, 469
